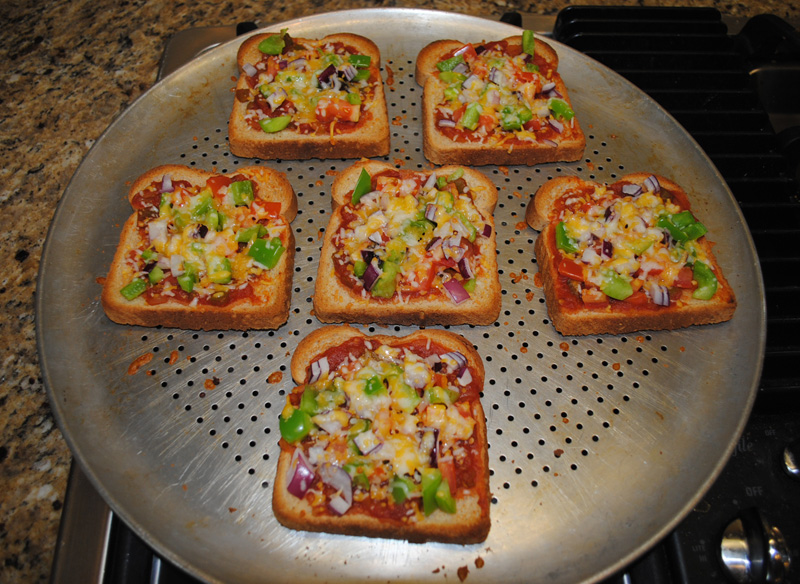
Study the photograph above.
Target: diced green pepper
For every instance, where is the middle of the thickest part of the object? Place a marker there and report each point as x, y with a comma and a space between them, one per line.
452, 77
149, 255
242, 192
473, 232
682, 226
513, 118
330, 398
216, 220
440, 395
561, 109
469, 285
187, 281
332, 59
219, 270
246, 235
354, 99
296, 427
706, 281
450, 64
457, 174
471, 116
360, 61
155, 275
444, 198
363, 185
308, 401
272, 125
615, 286
444, 499
273, 44
451, 93
374, 386
418, 229
384, 286
401, 488
357, 474
267, 253
359, 426
431, 479
563, 241
362, 75
404, 397
359, 267
133, 289
395, 250
528, 42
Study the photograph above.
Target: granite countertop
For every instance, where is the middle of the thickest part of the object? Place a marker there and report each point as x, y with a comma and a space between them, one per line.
70, 68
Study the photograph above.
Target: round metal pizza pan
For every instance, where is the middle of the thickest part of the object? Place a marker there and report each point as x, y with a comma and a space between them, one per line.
599, 445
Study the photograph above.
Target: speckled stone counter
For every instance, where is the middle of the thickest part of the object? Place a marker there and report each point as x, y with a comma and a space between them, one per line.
68, 70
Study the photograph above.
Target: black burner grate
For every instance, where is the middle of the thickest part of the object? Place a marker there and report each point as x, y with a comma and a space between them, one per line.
708, 80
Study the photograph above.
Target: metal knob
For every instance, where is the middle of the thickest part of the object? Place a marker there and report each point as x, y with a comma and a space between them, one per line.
754, 552
791, 459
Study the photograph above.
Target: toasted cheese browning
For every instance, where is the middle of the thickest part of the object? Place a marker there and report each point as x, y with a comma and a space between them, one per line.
413, 234
311, 88
203, 243
397, 420
498, 94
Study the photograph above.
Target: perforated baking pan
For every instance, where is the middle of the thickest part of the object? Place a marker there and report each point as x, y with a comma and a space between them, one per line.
599, 445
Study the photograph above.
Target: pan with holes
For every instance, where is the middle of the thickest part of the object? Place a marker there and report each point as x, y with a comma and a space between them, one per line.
598, 445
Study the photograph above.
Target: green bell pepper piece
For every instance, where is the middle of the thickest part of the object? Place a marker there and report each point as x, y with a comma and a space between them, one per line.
246, 235
267, 253
274, 44
451, 93
155, 275
615, 286
401, 488
219, 270
363, 185
471, 116
149, 255
450, 64
469, 285
359, 267
395, 250
308, 401
473, 231
360, 61
528, 44
440, 395
682, 226
444, 499
374, 386
385, 285
452, 77
272, 125
353, 99
242, 192
563, 241
361, 75
359, 477
296, 427
706, 281
133, 289
187, 281
561, 109
431, 479
359, 426
457, 174
444, 198
514, 118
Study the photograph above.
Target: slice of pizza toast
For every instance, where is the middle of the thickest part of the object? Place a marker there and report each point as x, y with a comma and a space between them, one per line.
385, 437
625, 257
204, 251
500, 102
418, 247
305, 98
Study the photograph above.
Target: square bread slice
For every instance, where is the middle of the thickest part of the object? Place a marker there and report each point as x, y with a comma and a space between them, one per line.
385, 437
303, 98
204, 251
500, 102
625, 257
418, 247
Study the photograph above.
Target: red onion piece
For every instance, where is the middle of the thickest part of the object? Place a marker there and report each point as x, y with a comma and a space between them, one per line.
487, 230
465, 269
652, 184
456, 291
338, 505
429, 441
249, 70
466, 377
446, 123
548, 87
367, 442
430, 212
659, 295
458, 358
276, 98
367, 255
166, 184
302, 474
376, 237
470, 82
337, 478
298, 64
631, 190
318, 369
370, 277
550, 143
496, 76
325, 75
431, 182
556, 125
607, 249
434, 243
461, 68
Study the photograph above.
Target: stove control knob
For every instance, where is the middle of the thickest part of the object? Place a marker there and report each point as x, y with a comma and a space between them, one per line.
754, 552
791, 459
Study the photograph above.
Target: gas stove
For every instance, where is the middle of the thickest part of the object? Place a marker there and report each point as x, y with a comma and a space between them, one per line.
734, 86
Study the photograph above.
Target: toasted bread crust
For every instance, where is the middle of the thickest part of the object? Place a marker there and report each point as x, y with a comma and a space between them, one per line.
470, 524
334, 302
268, 309
371, 139
570, 320
441, 150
